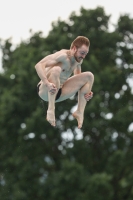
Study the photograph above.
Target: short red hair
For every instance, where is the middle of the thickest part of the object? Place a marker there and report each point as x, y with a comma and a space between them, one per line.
79, 41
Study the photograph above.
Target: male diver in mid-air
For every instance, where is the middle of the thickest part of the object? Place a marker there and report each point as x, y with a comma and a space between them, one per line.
56, 85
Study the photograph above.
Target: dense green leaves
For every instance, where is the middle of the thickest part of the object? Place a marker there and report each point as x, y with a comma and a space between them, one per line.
41, 162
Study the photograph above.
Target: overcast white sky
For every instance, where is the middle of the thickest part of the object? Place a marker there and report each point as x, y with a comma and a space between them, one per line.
17, 17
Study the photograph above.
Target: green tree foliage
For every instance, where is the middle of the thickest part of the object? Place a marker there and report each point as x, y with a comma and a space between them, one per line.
41, 162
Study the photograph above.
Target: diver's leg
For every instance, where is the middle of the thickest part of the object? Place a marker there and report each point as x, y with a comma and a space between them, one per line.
54, 77
83, 84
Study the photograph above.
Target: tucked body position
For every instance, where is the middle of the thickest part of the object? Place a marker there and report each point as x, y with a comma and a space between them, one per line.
57, 83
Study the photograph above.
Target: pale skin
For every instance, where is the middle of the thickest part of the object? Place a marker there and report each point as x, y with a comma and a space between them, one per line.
55, 70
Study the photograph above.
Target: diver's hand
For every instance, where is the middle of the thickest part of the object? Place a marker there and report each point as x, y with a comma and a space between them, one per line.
51, 88
88, 96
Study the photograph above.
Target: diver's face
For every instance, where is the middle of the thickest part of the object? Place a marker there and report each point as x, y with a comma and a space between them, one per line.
81, 52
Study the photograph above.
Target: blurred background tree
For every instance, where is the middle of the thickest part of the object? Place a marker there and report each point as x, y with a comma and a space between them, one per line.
40, 162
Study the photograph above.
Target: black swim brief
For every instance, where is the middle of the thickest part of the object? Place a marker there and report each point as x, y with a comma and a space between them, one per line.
57, 96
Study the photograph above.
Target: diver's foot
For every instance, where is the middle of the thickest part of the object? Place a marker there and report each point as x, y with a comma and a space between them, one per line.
79, 117
51, 117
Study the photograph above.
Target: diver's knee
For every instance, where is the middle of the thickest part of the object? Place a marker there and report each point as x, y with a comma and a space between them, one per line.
56, 71
89, 75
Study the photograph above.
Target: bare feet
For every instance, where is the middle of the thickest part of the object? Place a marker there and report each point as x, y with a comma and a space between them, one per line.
79, 117
51, 117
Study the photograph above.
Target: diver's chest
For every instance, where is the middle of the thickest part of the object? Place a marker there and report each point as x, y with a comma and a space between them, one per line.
68, 68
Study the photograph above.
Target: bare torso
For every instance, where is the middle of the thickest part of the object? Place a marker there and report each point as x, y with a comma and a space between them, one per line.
68, 65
